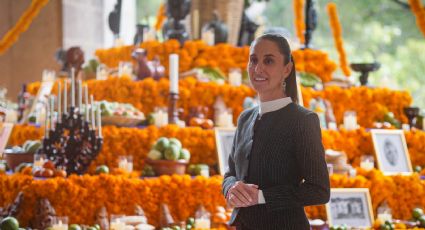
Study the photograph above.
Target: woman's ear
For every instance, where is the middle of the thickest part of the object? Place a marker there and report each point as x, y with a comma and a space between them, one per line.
288, 69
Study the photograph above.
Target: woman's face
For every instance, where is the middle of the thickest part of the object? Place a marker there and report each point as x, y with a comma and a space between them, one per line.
267, 69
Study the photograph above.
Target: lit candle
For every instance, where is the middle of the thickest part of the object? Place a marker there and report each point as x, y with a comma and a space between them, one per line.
174, 73
86, 98
92, 112
59, 102
202, 223
72, 87
52, 111
385, 217
80, 95
99, 120
366, 165
65, 96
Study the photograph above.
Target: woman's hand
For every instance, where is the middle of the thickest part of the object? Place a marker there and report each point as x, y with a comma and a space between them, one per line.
242, 195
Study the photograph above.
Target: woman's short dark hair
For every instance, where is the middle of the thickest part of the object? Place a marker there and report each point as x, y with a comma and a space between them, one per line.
285, 50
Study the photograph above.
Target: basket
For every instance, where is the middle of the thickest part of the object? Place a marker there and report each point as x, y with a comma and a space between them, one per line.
229, 11
168, 167
122, 121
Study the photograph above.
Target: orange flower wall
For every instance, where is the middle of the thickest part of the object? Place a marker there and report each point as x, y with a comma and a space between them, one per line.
79, 197
299, 19
402, 193
316, 62
201, 143
419, 12
192, 54
370, 104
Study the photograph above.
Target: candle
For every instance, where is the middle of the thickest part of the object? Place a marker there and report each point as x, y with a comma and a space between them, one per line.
174, 73
117, 225
52, 110
385, 217
86, 98
99, 120
350, 121
80, 95
65, 96
235, 78
366, 165
195, 24
59, 102
60, 226
72, 87
208, 37
92, 112
202, 223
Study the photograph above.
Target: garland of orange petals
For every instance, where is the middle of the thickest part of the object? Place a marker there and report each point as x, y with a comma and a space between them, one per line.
80, 197
299, 19
201, 143
192, 54
419, 12
370, 104
316, 62
337, 33
22, 25
160, 17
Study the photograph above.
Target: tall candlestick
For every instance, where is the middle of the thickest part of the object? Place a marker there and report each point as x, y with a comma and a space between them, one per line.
99, 121
59, 102
86, 98
72, 87
92, 112
174, 73
65, 96
80, 95
52, 111
46, 121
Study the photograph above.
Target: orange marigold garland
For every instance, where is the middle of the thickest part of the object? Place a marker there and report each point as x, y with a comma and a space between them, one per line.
299, 19
182, 194
419, 12
201, 143
22, 25
160, 17
337, 34
316, 62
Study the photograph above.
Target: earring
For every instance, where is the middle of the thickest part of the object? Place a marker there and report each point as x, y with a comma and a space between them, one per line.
284, 86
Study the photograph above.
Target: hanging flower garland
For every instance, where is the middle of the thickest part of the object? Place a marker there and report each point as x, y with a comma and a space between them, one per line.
419, 12
337, 33
299, 19
160, 17
22, 25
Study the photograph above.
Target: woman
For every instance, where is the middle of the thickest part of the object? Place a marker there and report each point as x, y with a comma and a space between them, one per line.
277, 164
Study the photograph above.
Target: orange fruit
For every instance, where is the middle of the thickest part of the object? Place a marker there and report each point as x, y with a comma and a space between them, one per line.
47, 173
49, 165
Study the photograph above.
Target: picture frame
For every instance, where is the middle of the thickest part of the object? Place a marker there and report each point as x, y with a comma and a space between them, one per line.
299, 92
224, 143
41, 98
350, 206
391, 151
5, 131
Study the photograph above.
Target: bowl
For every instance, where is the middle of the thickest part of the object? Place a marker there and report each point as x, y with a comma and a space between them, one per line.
168, 167
13, 159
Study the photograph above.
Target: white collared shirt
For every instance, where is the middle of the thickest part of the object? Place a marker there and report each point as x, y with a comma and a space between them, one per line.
266, 107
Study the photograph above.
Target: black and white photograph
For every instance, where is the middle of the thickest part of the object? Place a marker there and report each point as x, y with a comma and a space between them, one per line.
350, 206
224, 141
391, 151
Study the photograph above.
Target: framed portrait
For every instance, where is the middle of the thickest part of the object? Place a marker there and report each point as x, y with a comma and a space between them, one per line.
5, 131
224, 142
391, 151
350, 206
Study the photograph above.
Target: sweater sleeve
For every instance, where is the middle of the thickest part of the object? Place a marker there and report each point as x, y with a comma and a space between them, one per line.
310, 156
230, 174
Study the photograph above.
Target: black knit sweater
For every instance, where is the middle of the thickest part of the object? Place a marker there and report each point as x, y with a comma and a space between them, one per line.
283, 154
